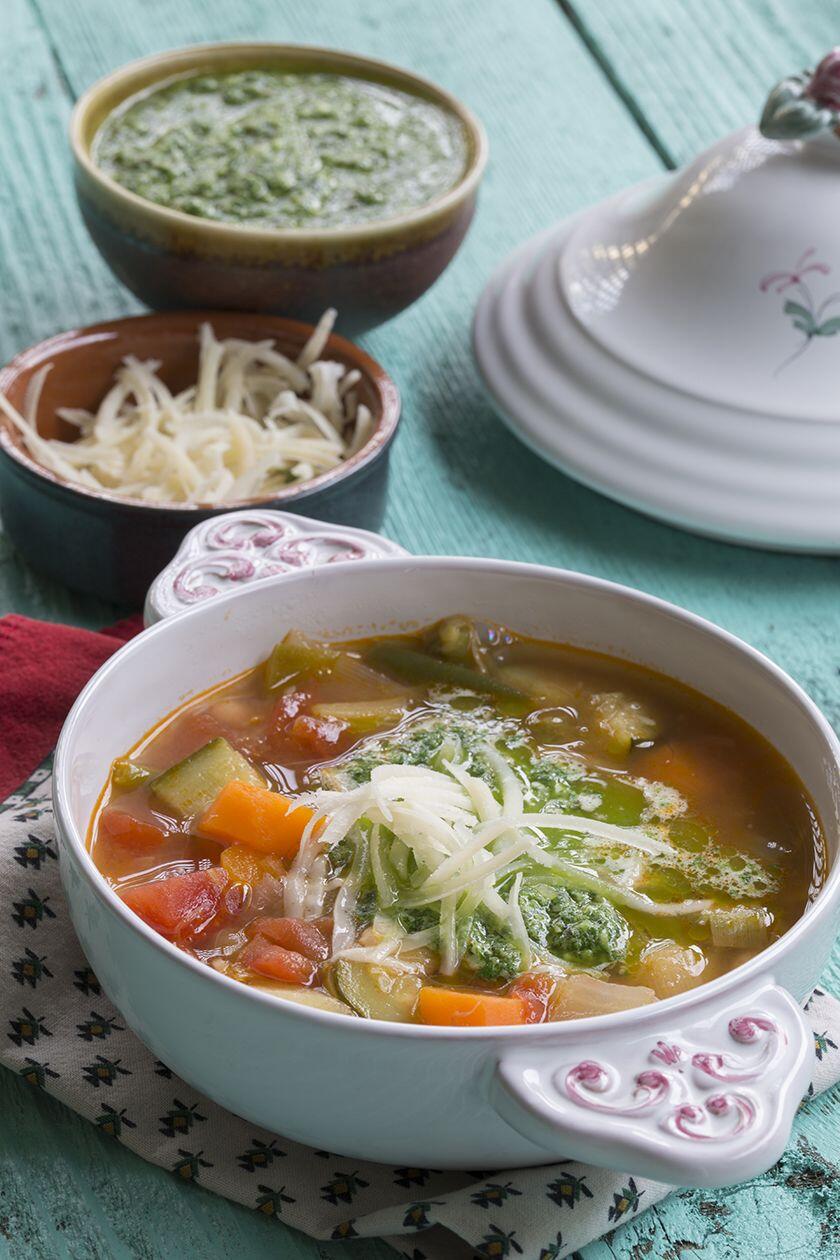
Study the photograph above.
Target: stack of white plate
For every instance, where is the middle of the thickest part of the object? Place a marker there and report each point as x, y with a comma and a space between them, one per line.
678, 346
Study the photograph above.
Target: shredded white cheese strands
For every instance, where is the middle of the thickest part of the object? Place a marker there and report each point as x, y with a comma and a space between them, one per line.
254, 422
464, 844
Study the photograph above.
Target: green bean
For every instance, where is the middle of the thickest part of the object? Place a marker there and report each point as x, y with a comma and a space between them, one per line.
410, 666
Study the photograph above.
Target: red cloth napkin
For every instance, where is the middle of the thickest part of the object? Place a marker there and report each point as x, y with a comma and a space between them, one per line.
43, 667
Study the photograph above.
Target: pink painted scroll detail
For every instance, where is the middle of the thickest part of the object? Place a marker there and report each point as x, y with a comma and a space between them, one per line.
588, 1078
651, 1088
254, 554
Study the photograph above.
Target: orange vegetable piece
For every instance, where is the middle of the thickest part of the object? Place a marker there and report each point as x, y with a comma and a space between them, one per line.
257, 818
179, 906
535, 991
248, 866
278, 963
702, 770
131, 832
295, 934
456, 1008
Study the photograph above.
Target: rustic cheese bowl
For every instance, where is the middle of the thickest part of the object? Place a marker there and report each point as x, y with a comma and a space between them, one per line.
112, 546
699, 1089
369, 271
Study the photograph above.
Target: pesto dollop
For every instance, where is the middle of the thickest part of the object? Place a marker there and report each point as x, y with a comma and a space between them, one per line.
286, 150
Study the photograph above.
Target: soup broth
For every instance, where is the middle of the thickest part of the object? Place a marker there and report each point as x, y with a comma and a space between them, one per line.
462, 826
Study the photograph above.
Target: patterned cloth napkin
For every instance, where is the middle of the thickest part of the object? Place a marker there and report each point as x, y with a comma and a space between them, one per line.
61, 1034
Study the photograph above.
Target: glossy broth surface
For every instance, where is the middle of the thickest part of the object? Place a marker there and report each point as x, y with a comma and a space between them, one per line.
461, 826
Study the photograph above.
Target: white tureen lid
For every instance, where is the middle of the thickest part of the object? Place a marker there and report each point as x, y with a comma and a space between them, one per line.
678, 346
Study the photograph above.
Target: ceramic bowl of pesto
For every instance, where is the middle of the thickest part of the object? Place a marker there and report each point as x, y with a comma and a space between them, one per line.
110, 545
275, 177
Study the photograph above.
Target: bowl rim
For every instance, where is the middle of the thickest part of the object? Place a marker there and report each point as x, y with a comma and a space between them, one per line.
39, 353
663, 1009
354, 65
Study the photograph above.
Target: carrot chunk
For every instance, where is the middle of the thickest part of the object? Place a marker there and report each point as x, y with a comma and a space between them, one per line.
180, 906
257, 818
278, 963
131, 832
458, 1009
295, 934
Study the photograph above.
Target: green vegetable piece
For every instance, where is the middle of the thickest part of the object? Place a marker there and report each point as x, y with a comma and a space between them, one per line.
340, 856
741, 927
295, 654
362, 715
493, 954
574, 924
191, 786
454, 639
366, 908
410, 666
126, 774
418, 919
375, 992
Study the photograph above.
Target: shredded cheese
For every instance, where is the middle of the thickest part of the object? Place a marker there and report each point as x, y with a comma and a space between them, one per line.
465, 847
254, 422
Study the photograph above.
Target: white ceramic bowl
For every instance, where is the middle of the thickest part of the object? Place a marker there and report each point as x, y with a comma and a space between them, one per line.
699, 1089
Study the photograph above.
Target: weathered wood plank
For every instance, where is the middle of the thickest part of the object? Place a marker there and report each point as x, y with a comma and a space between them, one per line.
50, 278
67, 1190
531, 68
698, 68
559, 138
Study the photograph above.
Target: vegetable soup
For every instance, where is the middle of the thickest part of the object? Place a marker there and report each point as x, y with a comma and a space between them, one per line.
462, 826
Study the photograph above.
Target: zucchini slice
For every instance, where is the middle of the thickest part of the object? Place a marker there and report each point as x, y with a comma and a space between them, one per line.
363, 715
304, 997
192, 785
375, 992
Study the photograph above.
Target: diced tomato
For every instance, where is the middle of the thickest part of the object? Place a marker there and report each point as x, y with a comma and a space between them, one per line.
287, 709
277, 742
318, 737
278, 963
325, 925
234, 899
181, 906
295, 934
535, 991
131, 832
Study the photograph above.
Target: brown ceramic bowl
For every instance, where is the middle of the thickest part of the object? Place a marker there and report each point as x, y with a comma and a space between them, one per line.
369, 271
111, 546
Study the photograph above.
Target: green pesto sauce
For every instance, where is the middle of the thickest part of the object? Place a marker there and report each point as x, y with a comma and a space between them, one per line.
275, 149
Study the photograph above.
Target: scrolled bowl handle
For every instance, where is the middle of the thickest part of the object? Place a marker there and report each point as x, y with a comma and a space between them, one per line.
708, 1103
234, 549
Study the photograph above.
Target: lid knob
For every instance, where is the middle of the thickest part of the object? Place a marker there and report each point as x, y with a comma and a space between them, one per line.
805, 104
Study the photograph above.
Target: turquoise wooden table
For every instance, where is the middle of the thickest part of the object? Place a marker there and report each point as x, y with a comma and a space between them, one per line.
579, 98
